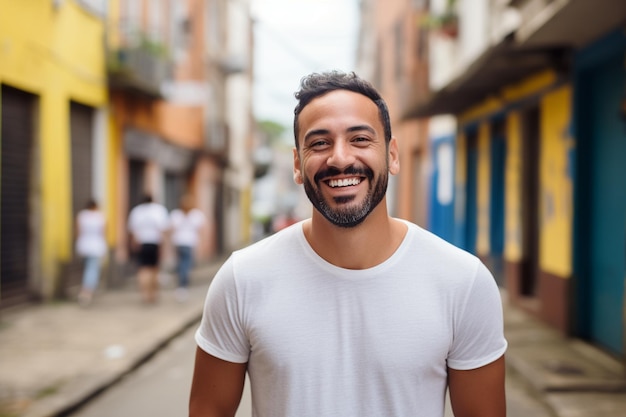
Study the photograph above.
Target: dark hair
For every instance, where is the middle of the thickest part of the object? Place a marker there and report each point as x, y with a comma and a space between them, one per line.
91, 204
318, 84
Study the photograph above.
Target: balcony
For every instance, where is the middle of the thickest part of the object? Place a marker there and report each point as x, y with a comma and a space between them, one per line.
550, 22
138, 69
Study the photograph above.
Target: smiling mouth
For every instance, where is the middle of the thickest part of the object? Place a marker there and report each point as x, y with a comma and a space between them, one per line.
344, 182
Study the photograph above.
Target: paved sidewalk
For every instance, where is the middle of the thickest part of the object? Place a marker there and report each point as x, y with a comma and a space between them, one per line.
573, 378
56, 356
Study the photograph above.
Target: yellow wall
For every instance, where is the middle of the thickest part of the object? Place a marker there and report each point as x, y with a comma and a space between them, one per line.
513, 190
245, 219
58, 55
483, 190
482, 109
530, 85
556, 184
114, 151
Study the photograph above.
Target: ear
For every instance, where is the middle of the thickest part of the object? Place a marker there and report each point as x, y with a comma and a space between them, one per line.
297, 167
394, 156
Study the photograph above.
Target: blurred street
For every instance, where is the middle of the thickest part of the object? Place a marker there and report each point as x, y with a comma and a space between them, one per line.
59, 358
511, 122
160, 388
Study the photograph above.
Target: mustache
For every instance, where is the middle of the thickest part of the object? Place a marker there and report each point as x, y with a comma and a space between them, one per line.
351, 170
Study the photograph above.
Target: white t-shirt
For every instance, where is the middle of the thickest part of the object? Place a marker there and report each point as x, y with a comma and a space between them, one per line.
186, 226
326, 341
147, 222
90, 240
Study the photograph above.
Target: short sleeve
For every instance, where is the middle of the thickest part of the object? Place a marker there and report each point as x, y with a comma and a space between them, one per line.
478, 324
221, 333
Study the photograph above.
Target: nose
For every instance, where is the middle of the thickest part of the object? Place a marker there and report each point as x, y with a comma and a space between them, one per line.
341, 155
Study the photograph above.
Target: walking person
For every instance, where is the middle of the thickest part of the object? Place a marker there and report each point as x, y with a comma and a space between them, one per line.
91, 246
186, 225
351, 312
147, 223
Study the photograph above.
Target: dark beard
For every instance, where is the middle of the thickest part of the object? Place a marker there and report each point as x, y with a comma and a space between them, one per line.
349, 216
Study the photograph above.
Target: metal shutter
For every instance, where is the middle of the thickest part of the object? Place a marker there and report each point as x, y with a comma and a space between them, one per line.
17, 108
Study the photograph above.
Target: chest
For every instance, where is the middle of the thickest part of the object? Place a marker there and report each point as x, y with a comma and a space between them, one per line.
372, 329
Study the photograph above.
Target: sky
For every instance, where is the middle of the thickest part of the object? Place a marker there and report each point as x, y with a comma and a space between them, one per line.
294, 38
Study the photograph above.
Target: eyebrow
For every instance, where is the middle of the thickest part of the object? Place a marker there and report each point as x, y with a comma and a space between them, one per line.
357, 128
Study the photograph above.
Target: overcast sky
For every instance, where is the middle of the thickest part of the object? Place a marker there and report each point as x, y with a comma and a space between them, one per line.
294, 38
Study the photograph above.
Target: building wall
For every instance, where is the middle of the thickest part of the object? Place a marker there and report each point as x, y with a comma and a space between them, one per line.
176, 119
240, 121
483, 191
400, 74
564, 241
555, 190
513, 181
57, 54
557, 183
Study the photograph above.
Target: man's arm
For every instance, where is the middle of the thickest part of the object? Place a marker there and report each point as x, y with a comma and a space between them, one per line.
216, 387
478, 392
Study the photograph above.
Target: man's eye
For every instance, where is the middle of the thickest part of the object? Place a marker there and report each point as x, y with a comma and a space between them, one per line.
318, 144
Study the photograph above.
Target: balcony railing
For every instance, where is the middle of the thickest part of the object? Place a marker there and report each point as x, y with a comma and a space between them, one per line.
138, 69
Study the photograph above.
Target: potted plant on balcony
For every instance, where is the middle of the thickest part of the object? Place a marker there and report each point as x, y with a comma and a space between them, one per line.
446, 23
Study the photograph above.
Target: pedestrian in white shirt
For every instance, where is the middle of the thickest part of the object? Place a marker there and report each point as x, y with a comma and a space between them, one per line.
91, 246
147, 223
186, 223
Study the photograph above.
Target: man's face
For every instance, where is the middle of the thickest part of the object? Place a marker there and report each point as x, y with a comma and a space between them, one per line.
343, 161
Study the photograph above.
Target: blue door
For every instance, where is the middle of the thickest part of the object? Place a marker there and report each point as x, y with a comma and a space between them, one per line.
604, 87
441, 221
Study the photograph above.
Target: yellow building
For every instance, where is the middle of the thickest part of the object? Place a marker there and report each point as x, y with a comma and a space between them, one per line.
53, 140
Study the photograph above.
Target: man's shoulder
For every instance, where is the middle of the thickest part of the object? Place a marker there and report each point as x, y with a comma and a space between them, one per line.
265, 260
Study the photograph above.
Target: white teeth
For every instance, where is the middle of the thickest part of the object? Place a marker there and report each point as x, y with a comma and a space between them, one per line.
344, 182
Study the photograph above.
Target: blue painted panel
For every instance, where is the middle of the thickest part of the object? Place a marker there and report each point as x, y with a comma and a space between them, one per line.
496, 201
441, 221
608, 199
600, 245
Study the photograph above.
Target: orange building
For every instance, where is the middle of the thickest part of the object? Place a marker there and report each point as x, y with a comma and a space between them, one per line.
168, 75
393, 55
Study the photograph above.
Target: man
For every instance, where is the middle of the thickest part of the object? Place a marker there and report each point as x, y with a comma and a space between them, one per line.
147, 223
186, 226
351, 312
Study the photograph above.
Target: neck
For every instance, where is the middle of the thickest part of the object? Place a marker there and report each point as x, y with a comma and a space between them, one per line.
360, 247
